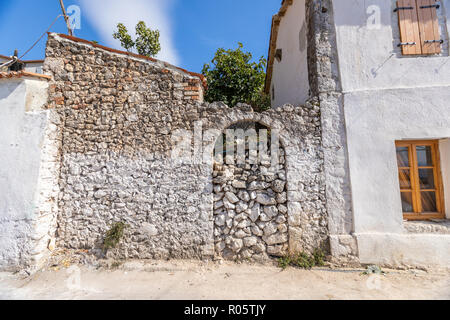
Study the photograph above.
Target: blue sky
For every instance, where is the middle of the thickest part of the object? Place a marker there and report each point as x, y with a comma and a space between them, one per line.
191, 30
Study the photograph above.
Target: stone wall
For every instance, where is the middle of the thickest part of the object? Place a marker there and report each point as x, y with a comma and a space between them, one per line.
119, 114
324, 77
250, 207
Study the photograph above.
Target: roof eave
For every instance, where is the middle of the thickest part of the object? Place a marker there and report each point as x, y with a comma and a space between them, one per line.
276, 19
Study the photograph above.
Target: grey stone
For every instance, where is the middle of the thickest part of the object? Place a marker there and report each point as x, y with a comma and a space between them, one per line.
259, 248
255, 212
271, 211
265, 199
228, 205
278, 186
257, 231
238, 184
250, 241
281, 197
236, 245
240, 234
232, 197
270, 229
258, 185
149, 229
220, 220
241, 207
276, 251
244, 196
100, 194
275, 239
282, 209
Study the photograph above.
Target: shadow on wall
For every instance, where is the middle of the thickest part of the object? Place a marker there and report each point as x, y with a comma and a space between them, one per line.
7, 88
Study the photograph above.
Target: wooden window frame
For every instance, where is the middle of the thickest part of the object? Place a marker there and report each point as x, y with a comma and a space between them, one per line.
415, 183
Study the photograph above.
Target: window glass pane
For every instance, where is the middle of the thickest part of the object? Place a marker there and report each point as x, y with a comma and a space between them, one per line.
403, 156
407, 202
424, 156
429, 201
405, 179
426, 178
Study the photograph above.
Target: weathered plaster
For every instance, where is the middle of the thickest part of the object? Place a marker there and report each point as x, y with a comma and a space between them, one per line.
410, 250
290, 75
23, 129
444, 148
372, 129
368, 59
324, 78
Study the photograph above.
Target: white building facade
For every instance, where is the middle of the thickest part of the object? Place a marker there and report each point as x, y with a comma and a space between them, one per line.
385, 119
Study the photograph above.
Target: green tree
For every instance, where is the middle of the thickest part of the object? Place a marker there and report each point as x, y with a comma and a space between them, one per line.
147, 40
233, 77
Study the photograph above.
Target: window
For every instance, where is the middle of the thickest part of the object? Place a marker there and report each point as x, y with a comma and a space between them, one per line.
419, 27
420, 180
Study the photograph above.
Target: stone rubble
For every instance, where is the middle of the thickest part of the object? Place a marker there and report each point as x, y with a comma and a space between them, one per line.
255, 226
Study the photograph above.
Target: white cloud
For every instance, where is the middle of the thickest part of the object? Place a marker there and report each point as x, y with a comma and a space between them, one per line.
104, 16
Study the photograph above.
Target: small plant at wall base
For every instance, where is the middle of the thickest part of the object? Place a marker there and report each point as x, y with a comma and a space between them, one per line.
146, 43
234, 78
373, 269
303, 260
114, 235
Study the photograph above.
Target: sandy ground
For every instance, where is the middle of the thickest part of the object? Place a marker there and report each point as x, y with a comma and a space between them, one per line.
200, 280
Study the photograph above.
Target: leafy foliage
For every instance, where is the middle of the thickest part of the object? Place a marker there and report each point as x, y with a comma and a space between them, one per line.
125, 39
303, 260
114, 235
147, 40
373, 269
261, 102
233, 78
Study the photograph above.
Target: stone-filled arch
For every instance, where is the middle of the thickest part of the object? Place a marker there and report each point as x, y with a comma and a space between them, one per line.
299, 130
250, 195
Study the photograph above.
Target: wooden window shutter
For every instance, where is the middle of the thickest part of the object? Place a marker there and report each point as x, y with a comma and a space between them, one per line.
419, 27
409, 27
428, 26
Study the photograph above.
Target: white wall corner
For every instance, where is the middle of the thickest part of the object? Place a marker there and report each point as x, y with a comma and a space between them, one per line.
47, 191
444, 148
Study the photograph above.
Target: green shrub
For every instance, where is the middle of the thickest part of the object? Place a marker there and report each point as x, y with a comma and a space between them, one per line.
303, 260
114, 235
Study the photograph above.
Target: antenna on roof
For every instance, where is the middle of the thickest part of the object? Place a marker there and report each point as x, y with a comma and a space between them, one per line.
66, 17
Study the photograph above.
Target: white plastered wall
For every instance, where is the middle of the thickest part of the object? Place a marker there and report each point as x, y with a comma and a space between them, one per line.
388, 97
290, 75
374, 121
25, 164
444, 147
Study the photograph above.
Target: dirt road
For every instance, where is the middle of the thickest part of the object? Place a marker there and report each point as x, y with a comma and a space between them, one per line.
200, 280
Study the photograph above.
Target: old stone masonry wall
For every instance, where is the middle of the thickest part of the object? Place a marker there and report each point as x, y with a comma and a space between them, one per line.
250, 208
119, 114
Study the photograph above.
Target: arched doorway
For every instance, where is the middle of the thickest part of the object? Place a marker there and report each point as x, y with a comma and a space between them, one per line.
250, 198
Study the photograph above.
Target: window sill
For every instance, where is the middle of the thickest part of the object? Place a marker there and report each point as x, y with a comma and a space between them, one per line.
432, 226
